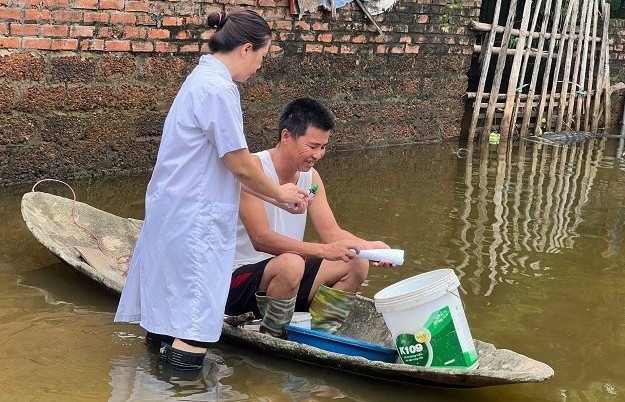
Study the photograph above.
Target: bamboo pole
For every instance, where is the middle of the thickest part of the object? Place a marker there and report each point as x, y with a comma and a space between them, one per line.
510, 52
580, 99
606, 75
506, 125
556, 71
537, 63
502, 104
484, 27
601, 71
579, 51
473, 95
501, 63
484, 73
567, 71
526, 56
608, 99
591, 72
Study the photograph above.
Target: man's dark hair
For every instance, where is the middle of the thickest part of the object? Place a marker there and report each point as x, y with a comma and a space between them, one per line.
301, 113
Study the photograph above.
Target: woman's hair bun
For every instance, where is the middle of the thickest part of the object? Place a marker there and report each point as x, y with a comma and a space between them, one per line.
216, 19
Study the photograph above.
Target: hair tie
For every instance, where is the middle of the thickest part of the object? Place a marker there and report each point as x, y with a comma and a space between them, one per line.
219, 23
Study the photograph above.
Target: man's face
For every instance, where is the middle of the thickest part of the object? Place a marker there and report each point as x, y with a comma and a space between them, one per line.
309, 148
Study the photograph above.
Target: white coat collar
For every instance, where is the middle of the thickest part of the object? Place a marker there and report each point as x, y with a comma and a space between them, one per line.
211, 61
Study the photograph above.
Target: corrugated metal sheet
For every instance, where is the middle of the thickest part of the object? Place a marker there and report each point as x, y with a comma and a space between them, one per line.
375, 7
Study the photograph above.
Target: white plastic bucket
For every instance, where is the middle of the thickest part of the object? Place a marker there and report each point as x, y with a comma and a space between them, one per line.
425, 316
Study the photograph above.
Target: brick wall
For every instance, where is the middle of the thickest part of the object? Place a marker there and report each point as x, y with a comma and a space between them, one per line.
617, 70
85, 85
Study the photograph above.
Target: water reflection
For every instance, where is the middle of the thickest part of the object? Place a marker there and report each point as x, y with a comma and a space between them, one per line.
142, 377
136, 377
61, 285
536, 232
539, 231
268, 379
519, 202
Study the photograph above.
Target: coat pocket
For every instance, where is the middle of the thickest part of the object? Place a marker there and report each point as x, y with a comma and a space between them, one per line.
222, 226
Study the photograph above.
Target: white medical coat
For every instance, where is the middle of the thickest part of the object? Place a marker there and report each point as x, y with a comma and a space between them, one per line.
180, 271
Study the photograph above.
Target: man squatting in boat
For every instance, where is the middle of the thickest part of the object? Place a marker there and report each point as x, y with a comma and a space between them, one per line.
275, 271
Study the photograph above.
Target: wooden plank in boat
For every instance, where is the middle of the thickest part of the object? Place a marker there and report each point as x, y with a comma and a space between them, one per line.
96, 258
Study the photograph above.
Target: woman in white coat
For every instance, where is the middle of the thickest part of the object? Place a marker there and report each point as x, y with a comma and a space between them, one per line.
180, 271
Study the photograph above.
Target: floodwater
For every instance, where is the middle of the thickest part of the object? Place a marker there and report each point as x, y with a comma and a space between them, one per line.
535, 233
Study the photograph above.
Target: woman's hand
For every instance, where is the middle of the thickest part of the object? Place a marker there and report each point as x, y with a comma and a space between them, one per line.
291, 194
298, 208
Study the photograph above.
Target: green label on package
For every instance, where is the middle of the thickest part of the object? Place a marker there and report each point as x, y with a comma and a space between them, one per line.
436, 344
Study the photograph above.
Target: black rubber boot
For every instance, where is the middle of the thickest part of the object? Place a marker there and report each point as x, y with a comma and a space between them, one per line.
181, 359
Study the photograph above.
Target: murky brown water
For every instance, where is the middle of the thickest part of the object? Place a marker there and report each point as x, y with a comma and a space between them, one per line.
536, 235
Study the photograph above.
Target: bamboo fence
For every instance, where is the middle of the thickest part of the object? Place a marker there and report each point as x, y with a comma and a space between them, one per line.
556, 67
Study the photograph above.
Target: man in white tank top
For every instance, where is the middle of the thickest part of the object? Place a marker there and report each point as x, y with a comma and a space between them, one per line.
275, 270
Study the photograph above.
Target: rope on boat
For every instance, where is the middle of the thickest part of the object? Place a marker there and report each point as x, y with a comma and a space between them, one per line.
122, 260
461, 153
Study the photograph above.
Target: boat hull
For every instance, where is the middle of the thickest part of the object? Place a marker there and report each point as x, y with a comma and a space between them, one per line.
66, 226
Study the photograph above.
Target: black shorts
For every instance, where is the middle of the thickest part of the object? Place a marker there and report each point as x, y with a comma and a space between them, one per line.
246, 279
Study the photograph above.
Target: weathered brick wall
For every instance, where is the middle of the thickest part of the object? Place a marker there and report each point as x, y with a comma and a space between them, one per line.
617, 70
85, 84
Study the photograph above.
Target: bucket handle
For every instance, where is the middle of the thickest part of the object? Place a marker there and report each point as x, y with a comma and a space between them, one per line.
450, 289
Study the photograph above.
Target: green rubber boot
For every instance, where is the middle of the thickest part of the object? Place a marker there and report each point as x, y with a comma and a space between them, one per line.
261, 302
278, 313
329, 308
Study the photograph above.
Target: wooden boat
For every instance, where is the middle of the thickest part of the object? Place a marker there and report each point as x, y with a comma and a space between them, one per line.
99, 245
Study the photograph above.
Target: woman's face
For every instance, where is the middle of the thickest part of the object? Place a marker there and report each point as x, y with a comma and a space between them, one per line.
251, 61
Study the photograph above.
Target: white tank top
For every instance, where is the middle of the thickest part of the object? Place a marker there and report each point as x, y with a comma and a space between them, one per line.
280, 221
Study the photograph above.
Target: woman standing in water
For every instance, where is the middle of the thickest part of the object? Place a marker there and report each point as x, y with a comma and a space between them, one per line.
180, 271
